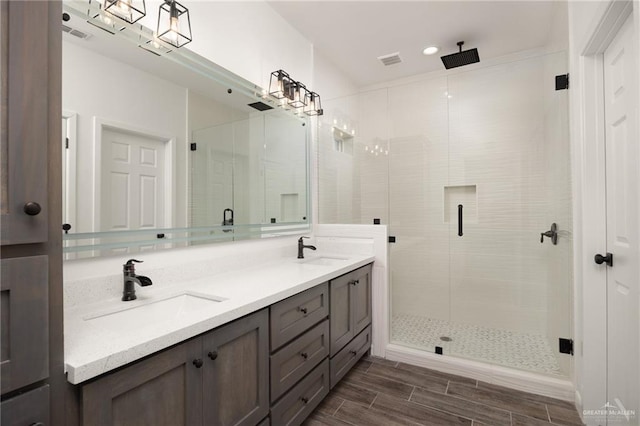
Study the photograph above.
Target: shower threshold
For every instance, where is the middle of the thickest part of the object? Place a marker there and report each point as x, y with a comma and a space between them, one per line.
524, 351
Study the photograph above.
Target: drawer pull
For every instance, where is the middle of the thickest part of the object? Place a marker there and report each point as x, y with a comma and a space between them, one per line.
354, 353
37, 424
303, 310
304, 355
213, 355
354, 282
304, 400
197, 362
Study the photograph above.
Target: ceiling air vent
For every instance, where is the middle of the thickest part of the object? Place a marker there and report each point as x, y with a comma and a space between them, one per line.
74, 32
393, 58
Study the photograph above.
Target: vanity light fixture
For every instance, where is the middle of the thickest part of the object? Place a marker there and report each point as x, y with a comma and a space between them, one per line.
298, 95
279, 84
174, 25
128, 10
313, 105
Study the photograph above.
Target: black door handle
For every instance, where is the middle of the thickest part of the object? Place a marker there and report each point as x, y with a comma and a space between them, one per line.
32, 208
459, 220
600, 259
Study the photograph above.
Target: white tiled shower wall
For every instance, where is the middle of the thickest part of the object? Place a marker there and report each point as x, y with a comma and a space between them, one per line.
502, 129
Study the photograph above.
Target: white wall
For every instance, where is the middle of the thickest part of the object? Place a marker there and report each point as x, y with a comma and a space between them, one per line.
96, 86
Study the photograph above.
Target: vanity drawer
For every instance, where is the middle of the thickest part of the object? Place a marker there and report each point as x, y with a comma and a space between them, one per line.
30, 408
349, 355
298, 313
294, 361
300, 401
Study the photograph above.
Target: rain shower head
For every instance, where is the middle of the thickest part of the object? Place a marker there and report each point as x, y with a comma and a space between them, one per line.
461, 58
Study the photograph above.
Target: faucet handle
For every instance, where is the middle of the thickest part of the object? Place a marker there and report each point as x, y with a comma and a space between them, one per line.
130, 261
129, 266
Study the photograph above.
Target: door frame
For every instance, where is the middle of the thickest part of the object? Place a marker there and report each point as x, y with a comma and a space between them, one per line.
70, 176
101, 124
590, 284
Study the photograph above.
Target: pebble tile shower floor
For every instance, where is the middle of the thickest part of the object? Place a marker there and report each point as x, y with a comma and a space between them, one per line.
524, 351
378, 392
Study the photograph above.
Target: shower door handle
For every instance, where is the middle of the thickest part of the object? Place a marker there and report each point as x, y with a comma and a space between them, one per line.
460, 220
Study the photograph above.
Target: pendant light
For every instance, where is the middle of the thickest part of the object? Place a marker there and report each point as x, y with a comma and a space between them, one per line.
174, 25
128, 10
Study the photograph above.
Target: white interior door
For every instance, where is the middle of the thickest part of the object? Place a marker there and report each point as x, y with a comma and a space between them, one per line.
133, 181
622, 227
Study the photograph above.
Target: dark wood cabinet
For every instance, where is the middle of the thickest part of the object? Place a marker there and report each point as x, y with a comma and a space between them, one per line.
25, 321
31, 352
25, 113
236, 372
219, 378
350, 306
165, 389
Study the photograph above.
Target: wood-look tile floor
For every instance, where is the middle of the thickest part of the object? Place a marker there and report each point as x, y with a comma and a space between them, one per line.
385, 393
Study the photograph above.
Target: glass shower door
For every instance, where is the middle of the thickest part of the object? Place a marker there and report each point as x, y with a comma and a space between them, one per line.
509, 180
418, 171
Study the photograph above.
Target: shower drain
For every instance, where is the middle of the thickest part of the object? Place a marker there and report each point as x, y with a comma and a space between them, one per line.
445, 338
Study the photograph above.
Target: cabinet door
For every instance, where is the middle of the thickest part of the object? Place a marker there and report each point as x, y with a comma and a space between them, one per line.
236, 373
165, 389
23, 126
25, 321
362, 299
341, 319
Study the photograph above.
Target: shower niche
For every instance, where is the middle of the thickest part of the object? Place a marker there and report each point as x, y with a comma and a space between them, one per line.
460, 195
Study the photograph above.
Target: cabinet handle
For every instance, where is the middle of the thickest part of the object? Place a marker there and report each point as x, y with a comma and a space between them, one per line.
197, 363
354, 282
303, 310
213, 355
32, 208
354, 353
304, 355
37, 424
304, 399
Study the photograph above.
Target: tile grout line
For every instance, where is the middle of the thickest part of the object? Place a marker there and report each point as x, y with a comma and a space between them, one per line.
546, 407
412, 391
339, 407
447, 388
511, 418
374, 400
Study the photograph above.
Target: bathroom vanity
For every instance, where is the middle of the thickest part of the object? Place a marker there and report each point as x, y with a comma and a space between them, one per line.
256, 346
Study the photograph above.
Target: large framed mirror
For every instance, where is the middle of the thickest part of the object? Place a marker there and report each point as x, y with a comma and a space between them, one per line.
164, 148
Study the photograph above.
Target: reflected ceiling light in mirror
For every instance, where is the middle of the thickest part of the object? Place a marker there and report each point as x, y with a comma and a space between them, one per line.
313, 105
128, 10
279, 84
174, 24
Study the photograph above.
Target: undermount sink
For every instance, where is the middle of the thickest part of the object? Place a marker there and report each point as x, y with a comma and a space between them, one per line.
169, 309
324, 261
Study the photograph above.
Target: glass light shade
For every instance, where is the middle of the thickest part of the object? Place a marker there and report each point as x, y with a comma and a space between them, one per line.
128, 10
174, 24
313, 105
279, 84
298, 95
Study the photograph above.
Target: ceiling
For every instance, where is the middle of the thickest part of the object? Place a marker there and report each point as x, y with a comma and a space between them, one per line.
352, 34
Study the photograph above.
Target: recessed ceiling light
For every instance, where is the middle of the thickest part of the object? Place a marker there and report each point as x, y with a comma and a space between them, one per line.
430, 50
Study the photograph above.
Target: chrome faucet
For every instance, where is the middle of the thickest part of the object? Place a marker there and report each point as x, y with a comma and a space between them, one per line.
131, 279
301, 247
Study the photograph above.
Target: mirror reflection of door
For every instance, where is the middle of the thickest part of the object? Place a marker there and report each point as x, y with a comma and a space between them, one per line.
134, 186
69, 145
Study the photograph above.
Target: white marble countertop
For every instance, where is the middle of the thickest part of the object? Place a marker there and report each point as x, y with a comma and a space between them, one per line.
95, 347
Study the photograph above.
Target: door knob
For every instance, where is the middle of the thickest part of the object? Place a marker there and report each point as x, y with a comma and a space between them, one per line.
197, 363
32, 208
213, 355
600, 259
